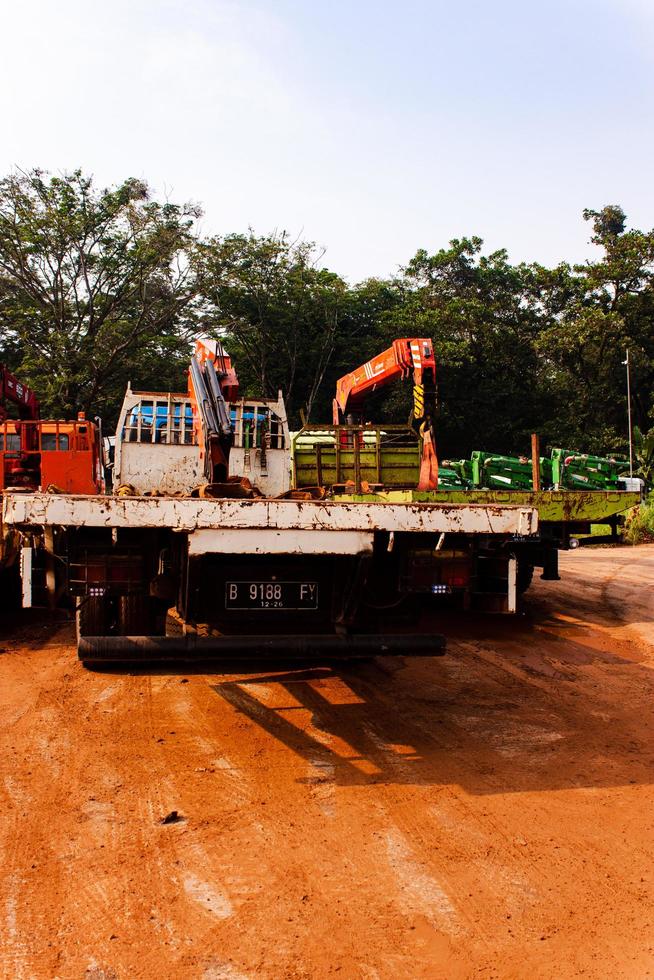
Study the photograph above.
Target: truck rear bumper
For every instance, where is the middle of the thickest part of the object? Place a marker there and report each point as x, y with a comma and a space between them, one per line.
307, 648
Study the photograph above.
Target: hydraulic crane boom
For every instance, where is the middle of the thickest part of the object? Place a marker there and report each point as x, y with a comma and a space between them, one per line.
13, 390
16, 465
408, 355
212, 385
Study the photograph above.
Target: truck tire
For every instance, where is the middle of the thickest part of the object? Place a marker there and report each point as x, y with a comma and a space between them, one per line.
133, 615
91, 617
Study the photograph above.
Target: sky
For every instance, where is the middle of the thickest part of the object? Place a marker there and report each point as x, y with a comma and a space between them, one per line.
372, 127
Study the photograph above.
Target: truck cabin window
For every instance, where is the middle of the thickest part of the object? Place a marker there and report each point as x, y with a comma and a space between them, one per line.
51, 441
161, 422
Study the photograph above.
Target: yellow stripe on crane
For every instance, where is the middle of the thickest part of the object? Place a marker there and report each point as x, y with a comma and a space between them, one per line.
418, 401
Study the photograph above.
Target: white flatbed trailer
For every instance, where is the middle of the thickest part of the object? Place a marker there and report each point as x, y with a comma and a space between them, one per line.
201, 514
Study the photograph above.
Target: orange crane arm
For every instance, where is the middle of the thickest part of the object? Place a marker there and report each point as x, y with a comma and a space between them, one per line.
407, 355
212, 384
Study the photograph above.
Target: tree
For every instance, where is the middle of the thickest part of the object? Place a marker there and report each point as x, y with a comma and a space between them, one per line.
475, 308
94, 284
607, 223
644, 455
365, 328
278, 310
99, 287
591, 313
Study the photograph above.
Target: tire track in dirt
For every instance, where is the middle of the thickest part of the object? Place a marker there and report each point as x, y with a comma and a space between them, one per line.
27, 854
482, 814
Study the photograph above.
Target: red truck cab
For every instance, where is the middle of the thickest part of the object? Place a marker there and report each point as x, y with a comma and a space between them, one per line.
35, 455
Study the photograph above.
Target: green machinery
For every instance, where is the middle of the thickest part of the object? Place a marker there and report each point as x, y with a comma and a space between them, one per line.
564, 469
389, 458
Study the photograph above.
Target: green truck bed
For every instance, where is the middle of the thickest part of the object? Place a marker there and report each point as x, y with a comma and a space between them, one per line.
387, 459
554, 506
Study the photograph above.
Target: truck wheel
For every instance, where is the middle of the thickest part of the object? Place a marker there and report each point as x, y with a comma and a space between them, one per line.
133, 615
91, 616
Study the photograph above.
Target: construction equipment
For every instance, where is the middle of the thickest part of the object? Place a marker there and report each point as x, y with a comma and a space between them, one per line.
247, 437
508, 472
564, 469
13, 390
258, 573
51, 453
18, 442
355, 457
212, 382
171, 442
406, 356
38, 453
580, 471
322, 562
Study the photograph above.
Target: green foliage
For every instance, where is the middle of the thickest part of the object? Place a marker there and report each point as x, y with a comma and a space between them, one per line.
639, 526
484, 329
607, 223
102, 286
281, 314
644, 455
94, 285
590, 315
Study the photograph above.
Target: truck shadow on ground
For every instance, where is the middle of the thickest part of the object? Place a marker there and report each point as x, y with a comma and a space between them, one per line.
546, 713
36, 629
558, 698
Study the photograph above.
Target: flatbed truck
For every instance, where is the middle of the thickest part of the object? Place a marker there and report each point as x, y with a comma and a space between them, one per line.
253, 576
299, 545
256, 575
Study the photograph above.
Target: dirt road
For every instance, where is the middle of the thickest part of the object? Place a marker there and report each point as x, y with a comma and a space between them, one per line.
486, 814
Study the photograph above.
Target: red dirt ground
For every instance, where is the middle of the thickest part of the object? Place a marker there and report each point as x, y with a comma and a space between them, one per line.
485, 814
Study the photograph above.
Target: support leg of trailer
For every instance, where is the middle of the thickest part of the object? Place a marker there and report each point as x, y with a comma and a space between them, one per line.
26, 555
50, 573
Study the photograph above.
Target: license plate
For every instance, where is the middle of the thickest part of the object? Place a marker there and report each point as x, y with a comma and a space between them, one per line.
271, 595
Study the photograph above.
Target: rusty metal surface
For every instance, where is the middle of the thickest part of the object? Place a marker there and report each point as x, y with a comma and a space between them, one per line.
363, 455
552, 505
187, 514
